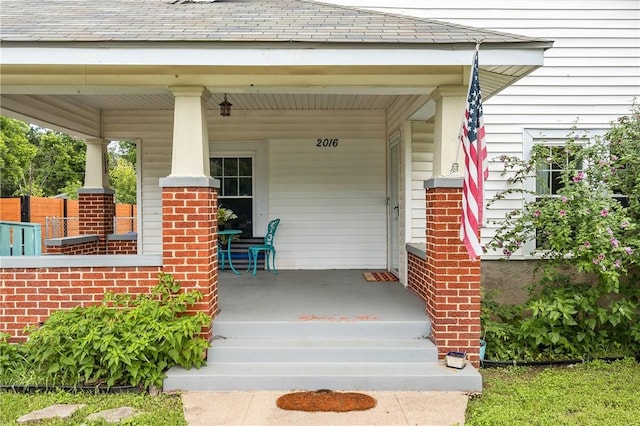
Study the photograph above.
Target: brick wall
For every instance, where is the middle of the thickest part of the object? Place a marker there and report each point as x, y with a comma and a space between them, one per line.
41, 207
189, 242
447, 280
416, 275
86, 248
30, 295
96, 216
122, 247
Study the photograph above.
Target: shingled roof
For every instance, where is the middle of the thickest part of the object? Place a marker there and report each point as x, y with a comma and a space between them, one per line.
225, 21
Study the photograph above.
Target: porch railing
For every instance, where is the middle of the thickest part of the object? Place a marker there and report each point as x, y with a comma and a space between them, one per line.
20, 239
59, 227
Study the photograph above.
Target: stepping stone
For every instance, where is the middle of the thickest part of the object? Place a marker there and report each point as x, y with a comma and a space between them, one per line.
63, 411
115, 415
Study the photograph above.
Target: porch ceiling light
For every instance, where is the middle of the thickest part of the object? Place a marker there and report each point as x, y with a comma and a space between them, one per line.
225, 107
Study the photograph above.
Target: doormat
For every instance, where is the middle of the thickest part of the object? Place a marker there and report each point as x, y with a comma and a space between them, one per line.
326, 400
379, 276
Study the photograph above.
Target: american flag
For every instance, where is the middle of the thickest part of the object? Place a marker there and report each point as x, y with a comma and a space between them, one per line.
476, 167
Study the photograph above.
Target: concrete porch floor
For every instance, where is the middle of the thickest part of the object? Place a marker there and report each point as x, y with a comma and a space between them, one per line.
325, 329
303, 295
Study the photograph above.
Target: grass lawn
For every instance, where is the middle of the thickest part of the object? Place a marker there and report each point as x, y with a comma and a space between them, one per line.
595, 393
158, 411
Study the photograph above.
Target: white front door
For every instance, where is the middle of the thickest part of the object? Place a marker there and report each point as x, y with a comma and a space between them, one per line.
394, 203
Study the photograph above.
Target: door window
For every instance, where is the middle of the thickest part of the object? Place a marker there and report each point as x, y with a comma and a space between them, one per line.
236, 190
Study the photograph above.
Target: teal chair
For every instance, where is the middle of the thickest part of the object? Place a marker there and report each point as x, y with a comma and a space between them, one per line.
268, 249
222, 254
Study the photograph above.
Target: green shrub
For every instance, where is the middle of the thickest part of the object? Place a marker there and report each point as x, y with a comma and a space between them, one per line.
585, 226
564, 320
12, 357
124, 340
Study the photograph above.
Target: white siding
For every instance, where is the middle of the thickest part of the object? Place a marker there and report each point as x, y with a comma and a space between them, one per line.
589, 78
331, 200
421, 170
153, 130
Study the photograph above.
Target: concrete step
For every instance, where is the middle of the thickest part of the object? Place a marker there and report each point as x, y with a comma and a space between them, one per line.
323, 328
391, 376
312, 350
323, 353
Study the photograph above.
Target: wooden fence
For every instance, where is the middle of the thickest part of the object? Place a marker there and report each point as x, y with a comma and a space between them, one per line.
38, 209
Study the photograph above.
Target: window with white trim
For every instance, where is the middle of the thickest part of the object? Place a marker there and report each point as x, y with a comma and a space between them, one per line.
548, 175
547, 181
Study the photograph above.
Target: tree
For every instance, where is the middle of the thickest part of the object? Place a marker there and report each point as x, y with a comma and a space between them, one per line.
126, 150
624, 141
41, 162
60, 159
122, 178
16, 153
71, 189
122, 171
36, 161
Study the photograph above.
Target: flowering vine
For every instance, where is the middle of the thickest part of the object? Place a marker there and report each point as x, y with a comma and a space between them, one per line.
582, 223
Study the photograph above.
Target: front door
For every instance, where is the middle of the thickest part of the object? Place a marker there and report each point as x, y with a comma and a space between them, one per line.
236, 189
394, 203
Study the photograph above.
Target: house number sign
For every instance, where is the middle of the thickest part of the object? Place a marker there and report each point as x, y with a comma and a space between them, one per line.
327, 143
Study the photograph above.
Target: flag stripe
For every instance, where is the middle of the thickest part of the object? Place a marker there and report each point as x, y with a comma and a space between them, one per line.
472, 137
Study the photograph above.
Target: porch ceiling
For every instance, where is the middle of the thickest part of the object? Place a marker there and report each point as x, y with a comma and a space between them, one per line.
33, 96
270, 94
240, 101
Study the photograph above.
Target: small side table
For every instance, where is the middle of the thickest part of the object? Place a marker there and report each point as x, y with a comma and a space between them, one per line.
230, 233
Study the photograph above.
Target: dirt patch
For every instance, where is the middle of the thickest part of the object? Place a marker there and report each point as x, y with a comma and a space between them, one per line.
326, 400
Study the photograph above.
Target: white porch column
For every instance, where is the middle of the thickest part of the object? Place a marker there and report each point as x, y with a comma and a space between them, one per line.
190, 156
96, 174
450, 105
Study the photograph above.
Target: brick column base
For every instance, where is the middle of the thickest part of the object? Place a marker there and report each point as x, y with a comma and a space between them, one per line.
96, 210
189, 229
452, 280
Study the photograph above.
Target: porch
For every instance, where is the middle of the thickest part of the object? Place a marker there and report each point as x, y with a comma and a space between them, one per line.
312, 329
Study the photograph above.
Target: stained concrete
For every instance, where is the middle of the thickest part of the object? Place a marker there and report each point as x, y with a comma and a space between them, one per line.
305, 295
260, 409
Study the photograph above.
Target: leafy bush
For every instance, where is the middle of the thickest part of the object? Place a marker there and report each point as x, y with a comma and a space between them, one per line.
590, 226
12, 357
583, 224
563, 319
124, 340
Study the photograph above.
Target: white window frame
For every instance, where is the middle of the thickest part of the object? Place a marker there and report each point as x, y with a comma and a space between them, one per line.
257, 150
549, 137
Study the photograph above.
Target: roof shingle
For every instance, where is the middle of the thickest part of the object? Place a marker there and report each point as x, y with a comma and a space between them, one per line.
225, 21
